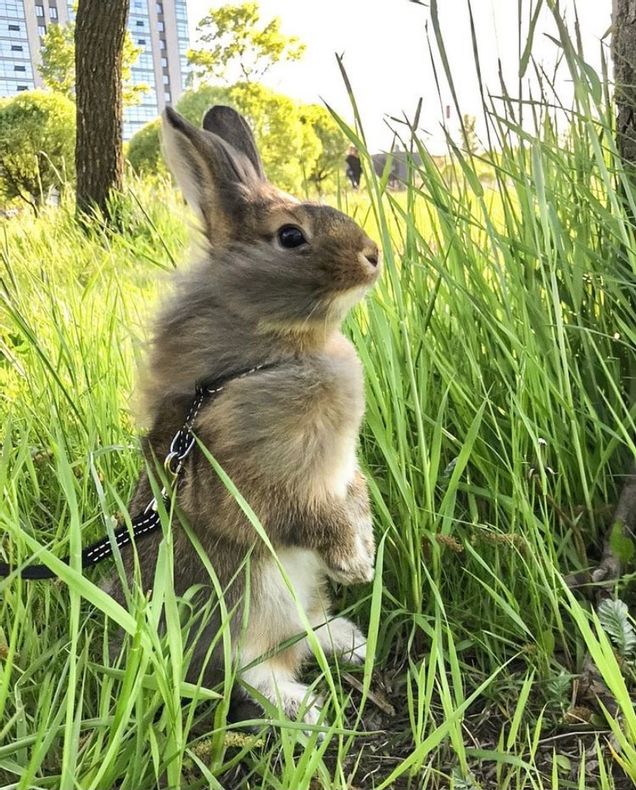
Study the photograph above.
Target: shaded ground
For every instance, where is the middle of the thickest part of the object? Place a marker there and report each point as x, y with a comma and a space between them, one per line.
572, 739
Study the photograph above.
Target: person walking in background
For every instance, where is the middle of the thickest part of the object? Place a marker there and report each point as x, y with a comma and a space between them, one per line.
354, 167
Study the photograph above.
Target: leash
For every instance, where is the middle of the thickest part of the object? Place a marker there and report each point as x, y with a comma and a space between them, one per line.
148, 520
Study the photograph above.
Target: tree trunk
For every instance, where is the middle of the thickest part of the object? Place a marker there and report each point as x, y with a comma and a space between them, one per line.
624, 58
624, 55
100, 29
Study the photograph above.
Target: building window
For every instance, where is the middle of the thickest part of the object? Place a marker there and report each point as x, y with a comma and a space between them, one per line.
14, 27
141, 41
140, 23
164, 63
167, 96
166, 79
41, 30
160, 26
39, 10
162, 43
16, 48
53, 12
22, 88
19, 68
160, 8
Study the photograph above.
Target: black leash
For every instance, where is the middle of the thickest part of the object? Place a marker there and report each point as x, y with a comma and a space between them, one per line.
148, 520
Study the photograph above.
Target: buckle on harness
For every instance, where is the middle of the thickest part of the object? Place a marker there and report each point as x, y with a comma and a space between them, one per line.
173, 464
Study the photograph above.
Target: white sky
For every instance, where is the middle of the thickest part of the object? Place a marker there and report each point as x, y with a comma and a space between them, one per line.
387, 57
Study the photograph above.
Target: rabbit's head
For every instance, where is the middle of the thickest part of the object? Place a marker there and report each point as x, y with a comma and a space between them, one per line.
277, 263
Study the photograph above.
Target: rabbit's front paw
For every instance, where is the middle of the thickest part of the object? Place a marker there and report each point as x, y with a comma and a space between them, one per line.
354, 566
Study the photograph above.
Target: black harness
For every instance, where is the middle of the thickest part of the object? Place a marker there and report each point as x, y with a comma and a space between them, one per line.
148, 520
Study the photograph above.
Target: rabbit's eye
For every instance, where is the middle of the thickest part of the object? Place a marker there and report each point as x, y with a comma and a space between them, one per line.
290, 236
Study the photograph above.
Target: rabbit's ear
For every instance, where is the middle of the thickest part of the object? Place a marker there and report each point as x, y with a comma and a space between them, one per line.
234, 129
214, 177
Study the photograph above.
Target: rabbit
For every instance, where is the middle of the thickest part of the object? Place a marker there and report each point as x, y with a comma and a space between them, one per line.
273, 284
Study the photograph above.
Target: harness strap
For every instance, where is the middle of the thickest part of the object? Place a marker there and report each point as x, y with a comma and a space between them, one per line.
148, 520
142, 524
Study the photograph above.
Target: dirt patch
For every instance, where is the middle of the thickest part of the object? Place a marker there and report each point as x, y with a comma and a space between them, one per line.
385, 742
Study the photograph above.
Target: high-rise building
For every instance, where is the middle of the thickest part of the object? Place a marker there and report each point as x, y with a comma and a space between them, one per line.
158, 27
161, 30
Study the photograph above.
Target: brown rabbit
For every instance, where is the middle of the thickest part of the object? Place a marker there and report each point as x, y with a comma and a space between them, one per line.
275, 281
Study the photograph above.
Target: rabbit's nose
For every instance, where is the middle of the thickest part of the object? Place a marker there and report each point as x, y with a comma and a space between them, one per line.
371, 254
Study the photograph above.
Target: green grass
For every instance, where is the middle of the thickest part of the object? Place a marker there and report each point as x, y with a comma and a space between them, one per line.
497, 351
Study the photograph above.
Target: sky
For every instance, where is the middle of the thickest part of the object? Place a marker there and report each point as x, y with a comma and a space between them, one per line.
386, 54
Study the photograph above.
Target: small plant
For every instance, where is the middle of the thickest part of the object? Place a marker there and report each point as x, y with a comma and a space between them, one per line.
558, 690
617, 624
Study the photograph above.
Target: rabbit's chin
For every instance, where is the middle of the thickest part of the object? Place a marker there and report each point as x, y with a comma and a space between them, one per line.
342, 302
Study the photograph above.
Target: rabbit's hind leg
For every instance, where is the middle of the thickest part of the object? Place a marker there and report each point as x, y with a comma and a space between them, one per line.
274, 644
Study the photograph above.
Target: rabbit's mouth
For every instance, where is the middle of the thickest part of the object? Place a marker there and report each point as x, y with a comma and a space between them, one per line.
354, 282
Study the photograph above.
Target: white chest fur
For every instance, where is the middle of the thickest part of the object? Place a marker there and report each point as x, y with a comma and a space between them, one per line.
342, 470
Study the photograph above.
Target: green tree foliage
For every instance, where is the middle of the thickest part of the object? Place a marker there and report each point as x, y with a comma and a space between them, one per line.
332, 145
57, 68
144, 149
37, 136
233, 43
58, 64
193, 104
